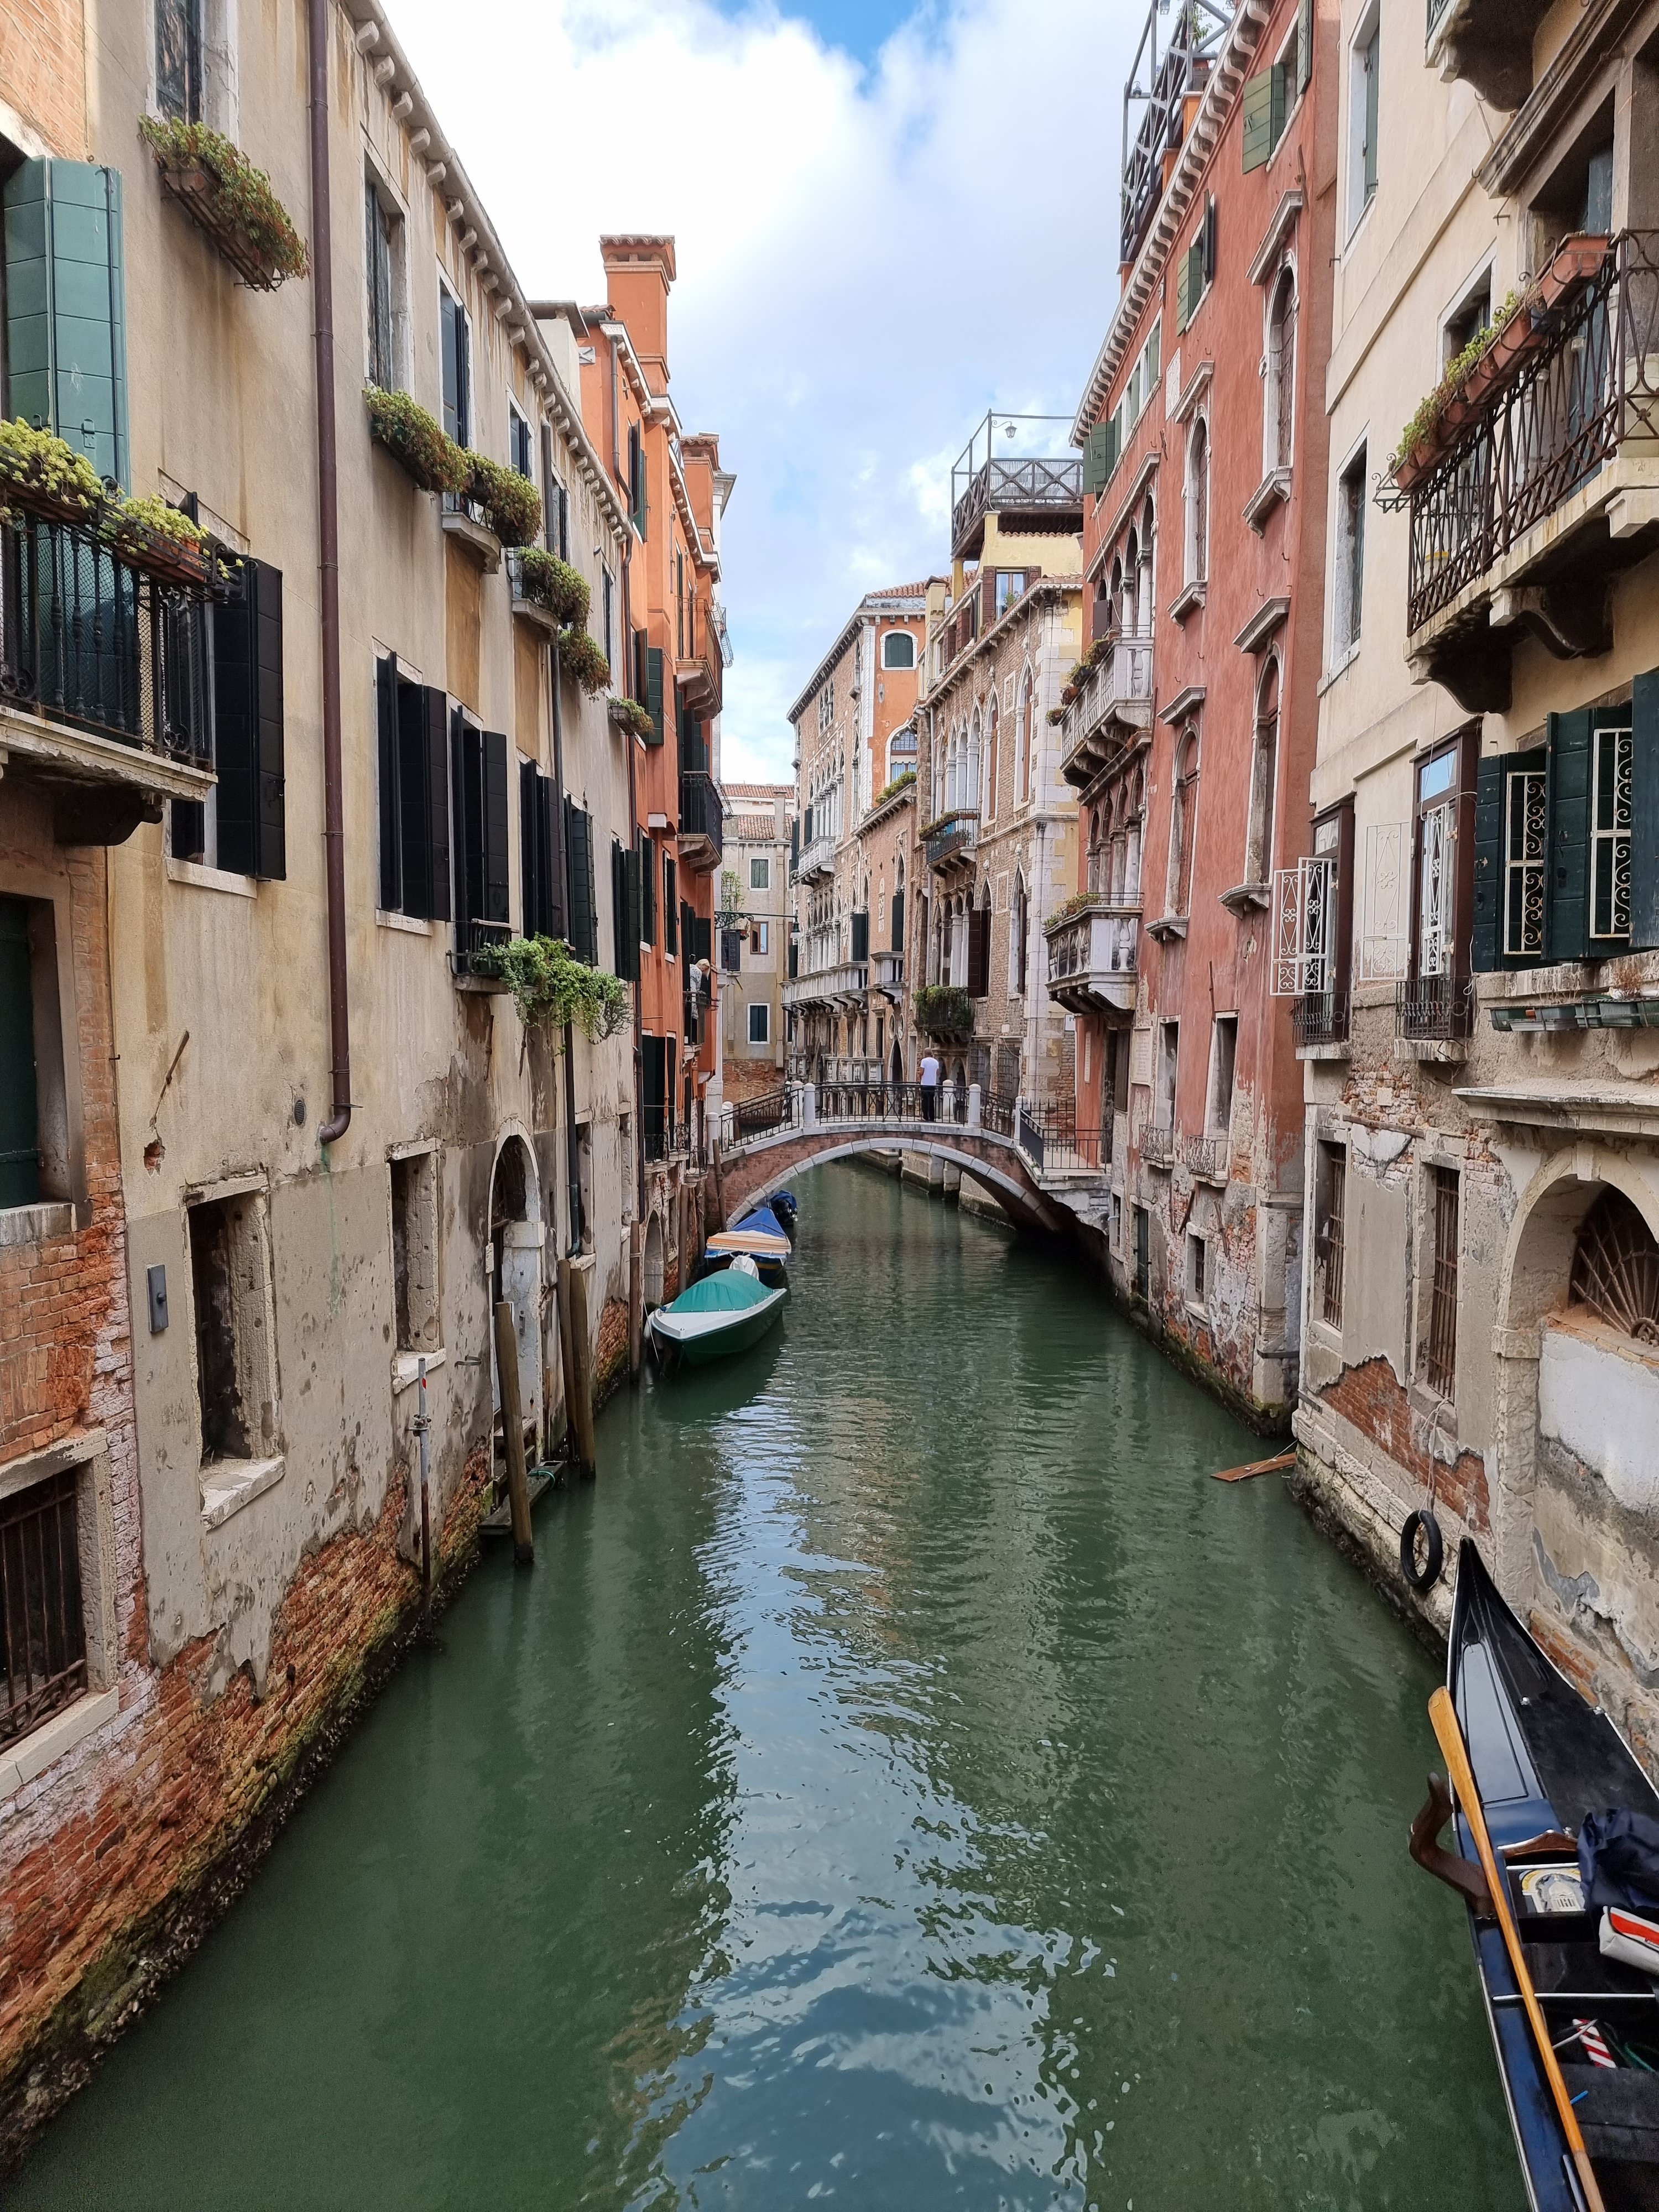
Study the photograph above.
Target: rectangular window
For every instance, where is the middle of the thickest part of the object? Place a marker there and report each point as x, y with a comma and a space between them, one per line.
671, 919
1197, 1257
636, 477
1442, 861
240, 825
1525, 813
538, 856
520, 447
648, 856
625, 910
1224, 1053
415, 1251
384, 260
556, 502
413, 725
607, 617
43, 1631
582, 920
1441, 1366
455, 341
179, 59
1363, 86
1349, 553
1143, 1252
229, 1273
760, 938
1329, 1231
760, 875
1169, 1038
20, 1115
1610, 827
760, 1022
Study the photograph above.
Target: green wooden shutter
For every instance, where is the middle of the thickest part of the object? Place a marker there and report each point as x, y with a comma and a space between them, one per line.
671, 912
634, 870
1095, 468
702, 937
1566, 909
1644, 812
426, 839
1206, 239
647, 890
898, 921
392, 846
653, 693
1487, 937
247, 685
1304, 39
20, 1130
861, 936
1258, 120
530, 892
493, 826
66, 306
581, 921
1184, 290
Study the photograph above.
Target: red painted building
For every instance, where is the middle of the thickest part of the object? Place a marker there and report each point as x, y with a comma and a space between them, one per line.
1190, 733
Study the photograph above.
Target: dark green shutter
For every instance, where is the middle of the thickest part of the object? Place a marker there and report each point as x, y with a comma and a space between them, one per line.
1184, 291
647, 890
1280, 100
392, 845
531, 893
653, 693
247, 684
1097, 466
861, 936
1258, 120
66, 306
671, 912
634, 874
1644, 812
1206, 239
898, 921
625, 910
701, 938
1567, 877
1486, 939
423, 798
20, 1132
581, 921
493, 827
1304, 39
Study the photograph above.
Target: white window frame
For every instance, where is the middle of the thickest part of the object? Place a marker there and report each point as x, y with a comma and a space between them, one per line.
1360, 200
762, 1007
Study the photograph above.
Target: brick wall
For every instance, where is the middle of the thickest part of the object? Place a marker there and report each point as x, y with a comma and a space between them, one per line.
1369, 1397
42, 72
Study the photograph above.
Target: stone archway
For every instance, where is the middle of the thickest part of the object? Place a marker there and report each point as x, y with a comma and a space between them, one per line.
513, 1259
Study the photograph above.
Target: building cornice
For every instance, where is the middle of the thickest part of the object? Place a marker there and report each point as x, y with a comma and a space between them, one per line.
1046, 588
907, 607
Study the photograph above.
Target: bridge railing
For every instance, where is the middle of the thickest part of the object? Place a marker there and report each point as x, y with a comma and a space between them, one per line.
768, 1115
1050, 1139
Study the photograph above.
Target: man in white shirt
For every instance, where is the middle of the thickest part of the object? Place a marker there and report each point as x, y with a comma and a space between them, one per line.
929, 1085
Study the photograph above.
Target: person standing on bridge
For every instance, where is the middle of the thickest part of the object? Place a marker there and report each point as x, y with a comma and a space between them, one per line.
929, 1085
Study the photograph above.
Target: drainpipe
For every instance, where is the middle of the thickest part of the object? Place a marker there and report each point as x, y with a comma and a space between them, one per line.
633, 796
328, 578
573, 1150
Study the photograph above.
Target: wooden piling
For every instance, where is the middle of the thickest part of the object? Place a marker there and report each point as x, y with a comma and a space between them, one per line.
518, 1485
575, 1345
635, 1297
720, 1190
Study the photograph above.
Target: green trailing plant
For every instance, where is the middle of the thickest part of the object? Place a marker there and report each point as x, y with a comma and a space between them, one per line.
1080, 902
555, 585
943, 1010
550, 987
147, 534
512, 504
1459, 369
629, 715
238, 206
43, 473
582, 657
417, 440
901, 783
1056, 716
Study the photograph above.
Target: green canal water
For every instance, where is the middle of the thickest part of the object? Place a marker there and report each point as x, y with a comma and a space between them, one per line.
906, 1779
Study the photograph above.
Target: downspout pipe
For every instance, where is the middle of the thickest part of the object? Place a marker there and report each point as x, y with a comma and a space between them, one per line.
626, 646
328, 579
573, 1150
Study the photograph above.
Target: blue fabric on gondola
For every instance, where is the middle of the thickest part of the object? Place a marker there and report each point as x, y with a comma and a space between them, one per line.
1619, 1859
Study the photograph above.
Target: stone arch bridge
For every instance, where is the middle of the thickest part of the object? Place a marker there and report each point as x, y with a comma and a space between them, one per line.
765, 1142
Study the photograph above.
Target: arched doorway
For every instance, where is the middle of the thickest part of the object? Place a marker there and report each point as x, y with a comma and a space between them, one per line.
514, 1262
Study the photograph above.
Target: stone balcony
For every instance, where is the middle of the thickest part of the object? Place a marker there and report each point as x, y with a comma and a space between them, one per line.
840, 985
817, 858
1113, 706
1094, 957
950, 842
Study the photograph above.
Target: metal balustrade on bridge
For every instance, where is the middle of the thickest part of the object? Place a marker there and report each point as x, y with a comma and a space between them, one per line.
1046, 1134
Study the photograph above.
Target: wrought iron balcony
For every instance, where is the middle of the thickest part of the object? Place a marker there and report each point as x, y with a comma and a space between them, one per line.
951, 838
1207, 1158
1571, 387
1048, 1135
1005, 471
1320, 1018
1154, 104
1435, 1009
1113, 707
1157, 1145
1094, 958
703, 821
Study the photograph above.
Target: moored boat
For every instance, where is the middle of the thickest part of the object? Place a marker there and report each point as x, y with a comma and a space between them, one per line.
758, 1236
1543, 1764
722, 1313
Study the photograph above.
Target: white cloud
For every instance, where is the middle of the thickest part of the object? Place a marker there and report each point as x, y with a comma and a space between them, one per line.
867, 260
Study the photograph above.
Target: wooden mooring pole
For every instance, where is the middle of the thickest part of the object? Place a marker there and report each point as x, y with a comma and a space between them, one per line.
576, 1347
518, 1485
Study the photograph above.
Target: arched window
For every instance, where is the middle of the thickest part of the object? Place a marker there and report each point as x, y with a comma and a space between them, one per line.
898, 649
1183, 823
1019, 929
1099, 880
970, 782
1281, 373
1129, 619
1264, 777
1615, 1267
1144, 592
1198, 502
991, 757
980, 981
1023, 740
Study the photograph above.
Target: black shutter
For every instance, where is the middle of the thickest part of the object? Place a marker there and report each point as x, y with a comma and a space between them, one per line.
653, 692
552, 910
1207, 240
862, 935
236, 738
272, 816
702, 939
632, 877
647, 890
1487, 937
670, 915
618, 912
898, 921
1643, 813
391, 843
688, 929
467, 757
532, 888
1566, 919
493, 826
416, 704
584, 932
435, 790
979, 960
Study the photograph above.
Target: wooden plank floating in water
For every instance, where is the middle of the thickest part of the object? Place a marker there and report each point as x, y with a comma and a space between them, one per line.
1273, 1466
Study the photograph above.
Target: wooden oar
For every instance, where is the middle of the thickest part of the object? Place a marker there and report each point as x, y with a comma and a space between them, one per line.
1279, 1461
1444, 1713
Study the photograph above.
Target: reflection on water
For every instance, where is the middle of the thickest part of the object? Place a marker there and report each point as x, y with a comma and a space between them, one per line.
906, 1778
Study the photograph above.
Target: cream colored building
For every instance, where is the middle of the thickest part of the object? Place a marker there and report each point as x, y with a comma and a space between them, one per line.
1474, 944
752, 923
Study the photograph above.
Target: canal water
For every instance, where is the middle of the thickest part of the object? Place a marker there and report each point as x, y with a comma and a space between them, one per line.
906, 1779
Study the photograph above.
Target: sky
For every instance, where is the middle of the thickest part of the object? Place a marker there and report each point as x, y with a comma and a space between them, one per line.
888, 220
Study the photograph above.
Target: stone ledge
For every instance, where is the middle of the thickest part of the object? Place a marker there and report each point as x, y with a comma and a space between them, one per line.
54, 1737
229, 1485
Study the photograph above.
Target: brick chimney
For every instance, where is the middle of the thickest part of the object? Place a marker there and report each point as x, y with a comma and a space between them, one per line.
638, 273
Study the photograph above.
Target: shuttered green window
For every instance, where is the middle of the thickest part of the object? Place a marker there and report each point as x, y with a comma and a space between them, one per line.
20, 1136
1258, 106
1566, 920
625, 910
1644, 812
1510, 836
413, 750
653, 693
248, 697
478, 762
539, 858
671, 912
647, 865
583, 921
66, 306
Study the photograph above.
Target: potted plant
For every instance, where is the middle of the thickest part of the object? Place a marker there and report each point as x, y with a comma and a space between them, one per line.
157, 540
45, 477
583, 659
511, 504
549, 582
415, 440
943, 1011
1080, 902
550, 987
629, 715
228, 198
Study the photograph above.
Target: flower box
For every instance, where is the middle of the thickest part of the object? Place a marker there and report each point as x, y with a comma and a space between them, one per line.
417, 441
46, 478
161, 554
228, 199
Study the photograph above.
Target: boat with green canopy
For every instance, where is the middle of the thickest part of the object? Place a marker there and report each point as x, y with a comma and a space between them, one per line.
722, 1313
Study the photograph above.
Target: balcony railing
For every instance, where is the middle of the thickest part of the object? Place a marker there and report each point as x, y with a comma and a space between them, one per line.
1118, 689
1588, 381
1003, 472
1094, 958
950, 837
1207, 1158
1157, 1145
703, 819
1049, 1137
825, 986
90, 640
1320, 1018
1159, 84
816, 859
887, 972
1435, 1009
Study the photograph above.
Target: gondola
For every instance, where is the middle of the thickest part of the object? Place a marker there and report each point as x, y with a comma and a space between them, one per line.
1541, 1761
722, 1313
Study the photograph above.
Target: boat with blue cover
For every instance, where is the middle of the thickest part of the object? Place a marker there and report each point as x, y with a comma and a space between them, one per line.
722, 1313
758, 1236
